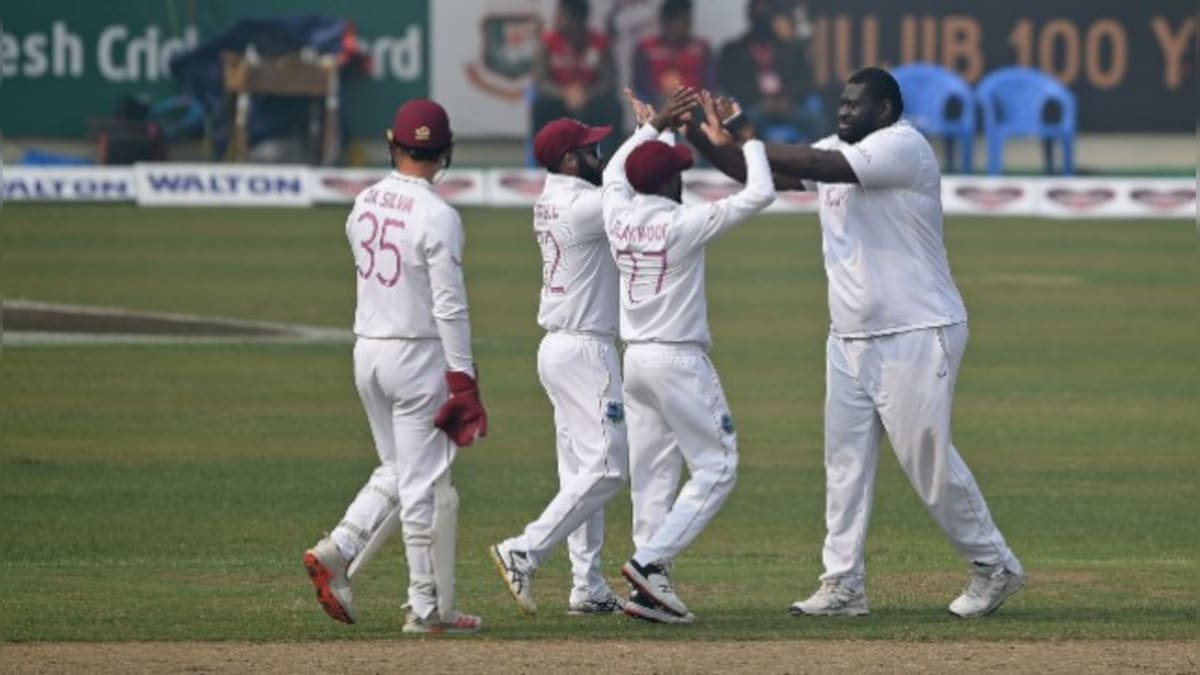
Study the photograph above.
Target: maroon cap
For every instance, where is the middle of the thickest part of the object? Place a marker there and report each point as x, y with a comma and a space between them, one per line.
563, 135
421, 123
653, 163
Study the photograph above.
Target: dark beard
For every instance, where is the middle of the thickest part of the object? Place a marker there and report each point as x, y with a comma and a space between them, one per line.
591, 174
854, 134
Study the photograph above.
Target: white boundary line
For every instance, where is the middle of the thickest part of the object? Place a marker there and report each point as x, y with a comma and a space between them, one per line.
285, 333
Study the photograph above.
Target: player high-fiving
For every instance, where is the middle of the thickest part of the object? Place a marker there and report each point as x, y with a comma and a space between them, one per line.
675, 409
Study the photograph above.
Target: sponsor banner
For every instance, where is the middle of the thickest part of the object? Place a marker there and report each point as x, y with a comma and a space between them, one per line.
988, 195
1116, 198
514, 187
68, 61
67, 184
461, 187
165, 184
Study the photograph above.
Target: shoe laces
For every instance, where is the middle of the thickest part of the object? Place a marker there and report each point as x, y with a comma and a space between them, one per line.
834, 588
663, 574
980, 581
520, 564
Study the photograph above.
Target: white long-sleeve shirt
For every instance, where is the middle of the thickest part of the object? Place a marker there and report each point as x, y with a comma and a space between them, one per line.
882, 238
579, 278
407, 244
659, 244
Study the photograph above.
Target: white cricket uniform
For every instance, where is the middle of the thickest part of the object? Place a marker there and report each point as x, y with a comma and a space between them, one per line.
897, 335
675, 409
412, 325
577, 365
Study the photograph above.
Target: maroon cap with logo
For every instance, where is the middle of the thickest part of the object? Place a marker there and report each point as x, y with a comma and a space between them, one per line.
421, 123
653, 163
563, 135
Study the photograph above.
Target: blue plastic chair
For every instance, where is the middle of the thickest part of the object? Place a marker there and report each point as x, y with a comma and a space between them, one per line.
930, 93
1014, 102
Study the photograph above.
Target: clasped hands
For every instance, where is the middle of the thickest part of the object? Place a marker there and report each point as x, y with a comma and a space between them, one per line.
719, 118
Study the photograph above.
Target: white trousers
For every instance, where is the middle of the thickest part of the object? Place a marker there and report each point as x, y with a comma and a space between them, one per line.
677, 415
902, 384
402, 385
583, 381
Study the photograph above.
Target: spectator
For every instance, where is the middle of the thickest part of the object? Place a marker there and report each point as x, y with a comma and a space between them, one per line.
575, 73
673, 58
768, 71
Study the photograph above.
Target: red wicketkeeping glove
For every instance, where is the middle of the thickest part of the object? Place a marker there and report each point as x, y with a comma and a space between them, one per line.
462, 416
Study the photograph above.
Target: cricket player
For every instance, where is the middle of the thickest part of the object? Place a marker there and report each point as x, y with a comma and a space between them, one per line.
415, 375
577, 365
897, 337
675, 408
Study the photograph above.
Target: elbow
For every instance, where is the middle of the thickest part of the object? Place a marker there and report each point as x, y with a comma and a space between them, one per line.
761, 198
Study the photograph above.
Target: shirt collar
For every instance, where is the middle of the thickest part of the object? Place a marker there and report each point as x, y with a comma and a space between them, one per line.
563, 181
657, 202
409, 179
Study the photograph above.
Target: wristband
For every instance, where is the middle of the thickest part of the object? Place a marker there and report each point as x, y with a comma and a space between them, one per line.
735, 123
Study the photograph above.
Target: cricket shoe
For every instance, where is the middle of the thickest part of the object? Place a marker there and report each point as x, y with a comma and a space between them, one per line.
642, 607
457, 623
987, 589
653, 581
327, 571
517, 571
602, 606
832, 599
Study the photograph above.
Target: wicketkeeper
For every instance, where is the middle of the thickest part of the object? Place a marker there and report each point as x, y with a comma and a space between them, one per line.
415, 375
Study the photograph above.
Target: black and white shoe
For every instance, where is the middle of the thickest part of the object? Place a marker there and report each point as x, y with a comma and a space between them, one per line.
640, 606
654, 582
603, 606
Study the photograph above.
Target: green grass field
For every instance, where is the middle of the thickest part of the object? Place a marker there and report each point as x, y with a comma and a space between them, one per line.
168, 492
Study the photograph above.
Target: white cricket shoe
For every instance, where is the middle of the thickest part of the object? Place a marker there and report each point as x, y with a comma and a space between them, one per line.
457, 623
601, 606
327, 571
517, 571
653, 582
987, 589
832, 599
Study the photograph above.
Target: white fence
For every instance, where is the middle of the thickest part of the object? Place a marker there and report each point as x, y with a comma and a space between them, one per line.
166, 184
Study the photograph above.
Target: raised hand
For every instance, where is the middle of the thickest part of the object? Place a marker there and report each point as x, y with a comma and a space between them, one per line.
679, 104
711, 126
642, 111
724, 123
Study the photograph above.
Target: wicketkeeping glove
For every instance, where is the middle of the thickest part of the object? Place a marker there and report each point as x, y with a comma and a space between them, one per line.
462, 416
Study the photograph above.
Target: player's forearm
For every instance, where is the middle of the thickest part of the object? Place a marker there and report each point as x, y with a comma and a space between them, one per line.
756, 195
802, 162
726, 159
450, 311
614, 171
456, 343
759, 191
730, 162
